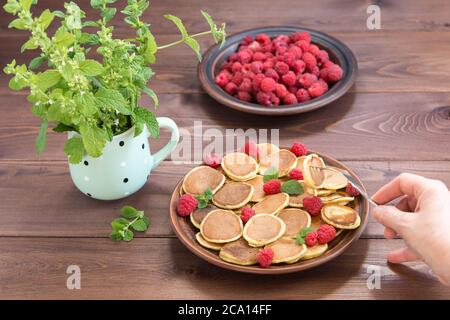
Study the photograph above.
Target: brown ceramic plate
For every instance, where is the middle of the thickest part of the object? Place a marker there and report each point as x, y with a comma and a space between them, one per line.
339, 53
185, 231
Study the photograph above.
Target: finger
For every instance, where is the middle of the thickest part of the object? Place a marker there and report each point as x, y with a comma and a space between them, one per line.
407, 204
391, 217
405, 183
389, 233
402, 255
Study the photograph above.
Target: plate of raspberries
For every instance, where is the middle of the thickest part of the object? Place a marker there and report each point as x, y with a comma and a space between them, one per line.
278, 70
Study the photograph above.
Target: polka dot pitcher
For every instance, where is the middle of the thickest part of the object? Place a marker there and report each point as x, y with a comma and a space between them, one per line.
124, 166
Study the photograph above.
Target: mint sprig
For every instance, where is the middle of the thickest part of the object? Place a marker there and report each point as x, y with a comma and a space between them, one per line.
300, 237
292, 187
203, 199
131, 218
271, 173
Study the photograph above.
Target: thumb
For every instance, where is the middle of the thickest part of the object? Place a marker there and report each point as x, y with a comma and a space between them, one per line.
402, 255
392, 218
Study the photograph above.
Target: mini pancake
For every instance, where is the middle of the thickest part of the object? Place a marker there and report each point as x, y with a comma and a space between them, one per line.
334, 180
323, 192
258, 192
265, 149
272, 204
263, 229
299, 164
313, 177
341, 217
199, 214
296, 201
283, 160
315, 251
239, 252
295, 220
286, 250
221, 226
233, 195
337, 198
201, 178
239, 166
207, 244
316, 221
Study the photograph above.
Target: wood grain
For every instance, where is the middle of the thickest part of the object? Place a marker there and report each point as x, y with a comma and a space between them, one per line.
39, 198
33, 268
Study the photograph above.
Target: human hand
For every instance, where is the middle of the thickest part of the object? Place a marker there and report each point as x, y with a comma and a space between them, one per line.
421, 218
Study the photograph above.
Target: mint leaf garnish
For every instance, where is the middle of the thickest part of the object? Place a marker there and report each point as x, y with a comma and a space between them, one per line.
292, 187
203, 199
271, 173
300, 237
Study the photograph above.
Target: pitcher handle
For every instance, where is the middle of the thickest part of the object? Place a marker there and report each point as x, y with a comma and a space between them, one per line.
159, 156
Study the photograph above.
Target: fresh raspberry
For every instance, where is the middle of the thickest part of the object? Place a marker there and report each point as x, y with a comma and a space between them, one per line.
231, 88
323, 84
236, 67
315, 70
186, 205
282, 38
311, 239
303, 44
292, 89
296, 51
307, 79
313, 205
302, 95
295, 36
265, 257
247, 40
289, 78
237, 79
222, 79
316, 90
247, 213
335, 73
226, 66
323, 56
256, 67
212, 160
269, 55
268, 64
304, 36
244, 96
274, 99
314, 49
281, 67
309, 59
289, 58
296, 174
255, 46
233, 57
299, 66
271, 73
267, 84
263, 98
246, 85
272, 186
250, 148
323, 74
245, 56
249, 75
263, 38
328, 64
280, 90
256, 83
259, 56
290, 98
325, 233
351, 190
299, 149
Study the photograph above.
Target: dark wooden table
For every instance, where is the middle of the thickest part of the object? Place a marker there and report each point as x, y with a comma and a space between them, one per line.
396, 118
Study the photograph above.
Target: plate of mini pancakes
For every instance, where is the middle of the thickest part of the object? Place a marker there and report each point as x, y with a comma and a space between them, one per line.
216, 232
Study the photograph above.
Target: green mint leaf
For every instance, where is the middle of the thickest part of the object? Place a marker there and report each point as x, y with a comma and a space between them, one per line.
128, 235
96, 4
115, 235
203, 199
73, 16
300, 237
150, 49
74, 149
112, 99
139, 225
59, 14
129, 212
149, 119
63, 38
11, 7
292, 187
17, 84
86, 103
29, 45
90, 24
26, 4
300, 240
91, 67
45, 19
177, 21
271, 173
88, 39
146, 220
61, 127
193, 44
36, 62
219, 35
18, 24
41, 139
94, 139
47, 79
152, 95
119, 223
108, 13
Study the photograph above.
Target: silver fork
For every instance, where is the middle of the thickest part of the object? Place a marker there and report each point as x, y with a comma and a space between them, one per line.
351, 180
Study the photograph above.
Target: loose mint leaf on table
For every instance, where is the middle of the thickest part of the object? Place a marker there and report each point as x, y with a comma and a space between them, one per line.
139, 225
41, 139
203, 199
130, 218
271, 173
300, 238
292, 187
129, 212
128, 235
74, 150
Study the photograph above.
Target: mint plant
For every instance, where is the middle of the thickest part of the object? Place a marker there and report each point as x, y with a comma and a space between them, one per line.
97, 99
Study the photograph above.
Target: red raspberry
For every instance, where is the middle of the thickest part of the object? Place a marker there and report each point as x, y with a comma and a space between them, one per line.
244, 96
335, 73
289, 78
233, 57
282, 38
231, 88
281, 67
316, 90
351, 190
268, 64
327, 64
296, 51
267, 85
245, 56
289, 58
237, 79
236, 67
314, 70
255, 46
265, 257
325, 233
323, 56
256, 67
251, 149
295, 36
323, 84
299, 149
302, 95
263, 38
246, 85
292, 89
259, 56
222, 79
247, 40
271, 73
272, 186
304, 36
186, 205
226, 66
307, 79
249, 75
269, 55
296, 174
245, 67
309, 59
257, 81
323, 74
303, 44
274, 99
247, 213
290, 98
314, 49
263, 98
280, 90
313, 205
311, 239
299, 66
212, 160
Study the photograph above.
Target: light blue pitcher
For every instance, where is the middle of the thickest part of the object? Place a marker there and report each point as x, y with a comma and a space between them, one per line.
124, 166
